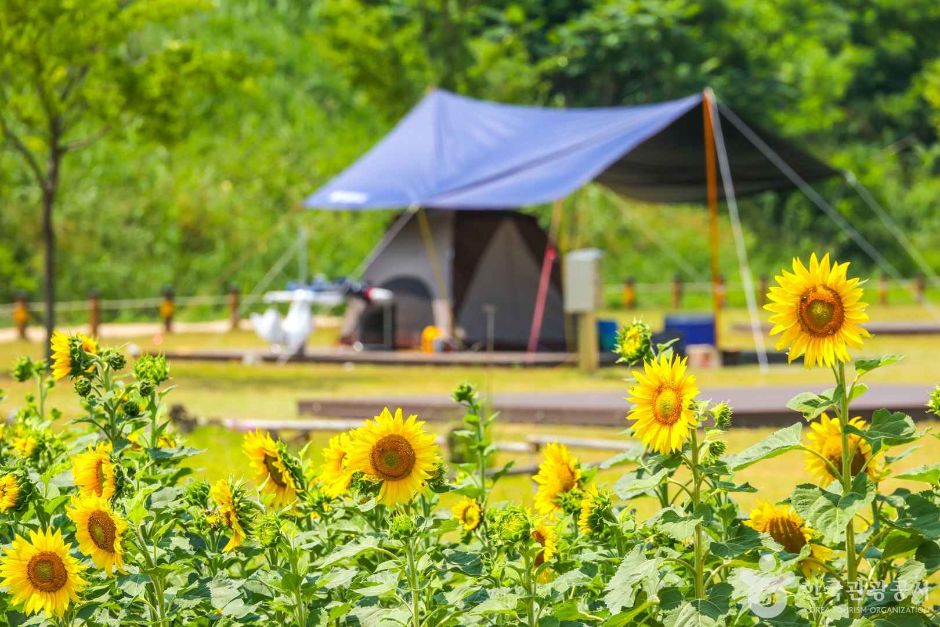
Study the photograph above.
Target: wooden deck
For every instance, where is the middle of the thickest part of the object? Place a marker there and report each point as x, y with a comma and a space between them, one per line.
504, 359
752, 406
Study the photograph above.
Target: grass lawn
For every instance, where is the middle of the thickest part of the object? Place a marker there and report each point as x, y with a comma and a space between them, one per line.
225, 390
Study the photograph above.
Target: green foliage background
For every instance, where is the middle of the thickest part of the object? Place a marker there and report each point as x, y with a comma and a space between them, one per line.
210, 197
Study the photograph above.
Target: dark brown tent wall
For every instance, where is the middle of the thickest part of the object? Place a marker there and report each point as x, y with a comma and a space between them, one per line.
669, 167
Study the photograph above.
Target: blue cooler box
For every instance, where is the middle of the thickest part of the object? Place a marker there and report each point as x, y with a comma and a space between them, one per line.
690, 328
606, 335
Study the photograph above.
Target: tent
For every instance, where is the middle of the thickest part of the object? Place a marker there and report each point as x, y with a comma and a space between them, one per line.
492, 261
460, 154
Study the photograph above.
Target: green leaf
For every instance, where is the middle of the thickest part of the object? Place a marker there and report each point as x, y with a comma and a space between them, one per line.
887, 429
365, 543
631, 485
928, 553
920, 515
634, 574
827, 512
927, 473
499, 601
676, 524
899, 543
743, 541
464, 561
570, 611
379, 584
777, 443
809, 404
630, 456
864, 366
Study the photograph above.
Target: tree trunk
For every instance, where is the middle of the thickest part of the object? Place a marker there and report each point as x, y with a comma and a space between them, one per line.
49, 192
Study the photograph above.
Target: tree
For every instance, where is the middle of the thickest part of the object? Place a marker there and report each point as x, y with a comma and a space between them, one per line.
72, 72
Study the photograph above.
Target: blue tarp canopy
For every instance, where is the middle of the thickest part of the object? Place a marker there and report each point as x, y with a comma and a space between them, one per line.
453, 152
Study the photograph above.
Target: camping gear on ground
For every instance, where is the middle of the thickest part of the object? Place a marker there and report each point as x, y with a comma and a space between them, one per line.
690, 328
288, 335
607, 335
484, 258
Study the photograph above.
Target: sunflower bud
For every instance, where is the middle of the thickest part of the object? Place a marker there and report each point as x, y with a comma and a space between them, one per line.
145, 387
717, 448
152, 368
268, 529
570, 501
464, 393
15, 491
197, 494
114, 358
721, 414
402, 526
23, 369
438, 479
131, 409
596, 512
634, 343
512, 525
933, 405
82, 387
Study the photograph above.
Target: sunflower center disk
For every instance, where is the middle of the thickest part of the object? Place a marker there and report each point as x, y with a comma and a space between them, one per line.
787, 532
273, 471
393, 457
667, 406
821, 311
102, 531
46, 571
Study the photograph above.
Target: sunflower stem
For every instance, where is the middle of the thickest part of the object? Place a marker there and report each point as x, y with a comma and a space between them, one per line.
529, 591
413, 582
847, 455
698, 538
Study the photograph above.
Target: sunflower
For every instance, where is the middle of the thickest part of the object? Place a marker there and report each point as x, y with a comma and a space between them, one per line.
98, 531
40, 574
93, 471
595, 509
24, 445
9, 492
468, 512
230, 514
818, 311
547, 537
64, 347
269, 466
396, 452
558, 473
335, 474
662, 404
787, 528
633, 342
825, 438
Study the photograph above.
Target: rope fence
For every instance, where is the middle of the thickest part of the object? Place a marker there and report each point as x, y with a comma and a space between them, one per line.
676, 294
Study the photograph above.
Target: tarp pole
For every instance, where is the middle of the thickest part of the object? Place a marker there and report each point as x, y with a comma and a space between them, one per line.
538, 314
428, 237
738, 232
711, 175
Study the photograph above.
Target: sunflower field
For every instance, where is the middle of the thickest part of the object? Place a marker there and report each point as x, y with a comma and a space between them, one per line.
104, 522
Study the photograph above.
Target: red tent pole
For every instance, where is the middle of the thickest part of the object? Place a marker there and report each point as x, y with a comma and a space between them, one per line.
544, 279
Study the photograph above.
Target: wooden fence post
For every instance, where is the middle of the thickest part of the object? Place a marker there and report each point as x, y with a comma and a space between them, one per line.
629, 293
677, 292
167, 309
883, 289
920, 287
94, 312
762, 295
20, 314
722, 292
234, 307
